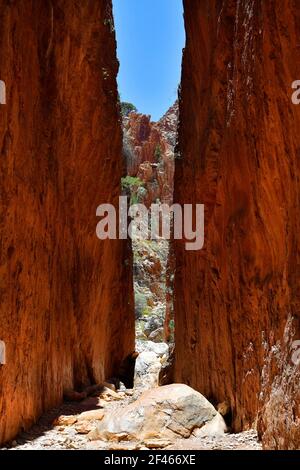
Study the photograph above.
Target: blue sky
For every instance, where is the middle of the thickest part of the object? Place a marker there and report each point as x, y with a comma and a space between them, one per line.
150, 36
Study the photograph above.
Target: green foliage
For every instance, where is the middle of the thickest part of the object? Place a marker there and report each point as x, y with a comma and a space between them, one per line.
134, 199
127, 108
158, 153
146, 311
130, 185
130, 182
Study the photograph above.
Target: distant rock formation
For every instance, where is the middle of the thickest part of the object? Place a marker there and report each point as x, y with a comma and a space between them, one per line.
149, 153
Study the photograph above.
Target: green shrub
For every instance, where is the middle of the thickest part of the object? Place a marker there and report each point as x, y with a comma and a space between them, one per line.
146, 311
134, 199
131, 186
130, 182
127, 108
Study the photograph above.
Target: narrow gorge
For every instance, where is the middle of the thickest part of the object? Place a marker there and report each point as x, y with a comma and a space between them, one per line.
80, 317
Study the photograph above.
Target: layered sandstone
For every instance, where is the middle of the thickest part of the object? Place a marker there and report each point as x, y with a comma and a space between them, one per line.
66, 297
237, 300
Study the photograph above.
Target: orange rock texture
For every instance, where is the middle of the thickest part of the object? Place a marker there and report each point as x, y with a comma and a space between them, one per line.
237, 301
65, 297
149, 151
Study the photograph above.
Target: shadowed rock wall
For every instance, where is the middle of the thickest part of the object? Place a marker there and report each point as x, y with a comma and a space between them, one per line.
237, 300
65, 297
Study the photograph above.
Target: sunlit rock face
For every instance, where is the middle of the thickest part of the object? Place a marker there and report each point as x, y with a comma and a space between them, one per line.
66, 298
149, 151
237, 300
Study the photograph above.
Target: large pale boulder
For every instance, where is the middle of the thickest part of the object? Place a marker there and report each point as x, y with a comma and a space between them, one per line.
214, 428
147, 369
165, 412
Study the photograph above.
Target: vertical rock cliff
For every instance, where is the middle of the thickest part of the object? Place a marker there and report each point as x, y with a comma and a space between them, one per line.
237, 300
65, 297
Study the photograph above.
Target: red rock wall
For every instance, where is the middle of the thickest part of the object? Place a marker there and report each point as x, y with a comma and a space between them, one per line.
65, 297
237, 300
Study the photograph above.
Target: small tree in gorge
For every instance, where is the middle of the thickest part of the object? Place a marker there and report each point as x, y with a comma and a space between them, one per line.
127, 108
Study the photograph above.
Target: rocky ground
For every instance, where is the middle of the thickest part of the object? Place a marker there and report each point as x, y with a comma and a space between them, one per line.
173, 417
47, 436
149, 272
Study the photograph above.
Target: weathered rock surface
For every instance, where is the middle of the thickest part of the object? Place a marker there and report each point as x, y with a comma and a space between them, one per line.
166, 375
239, 155
214, 428
62, 290
160, 349
280, 395
149, 152
153, 323
48, 435
157, 335
148, 366
149, 272
148, 149
147, 369
149, 267
162, 413
167, 125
